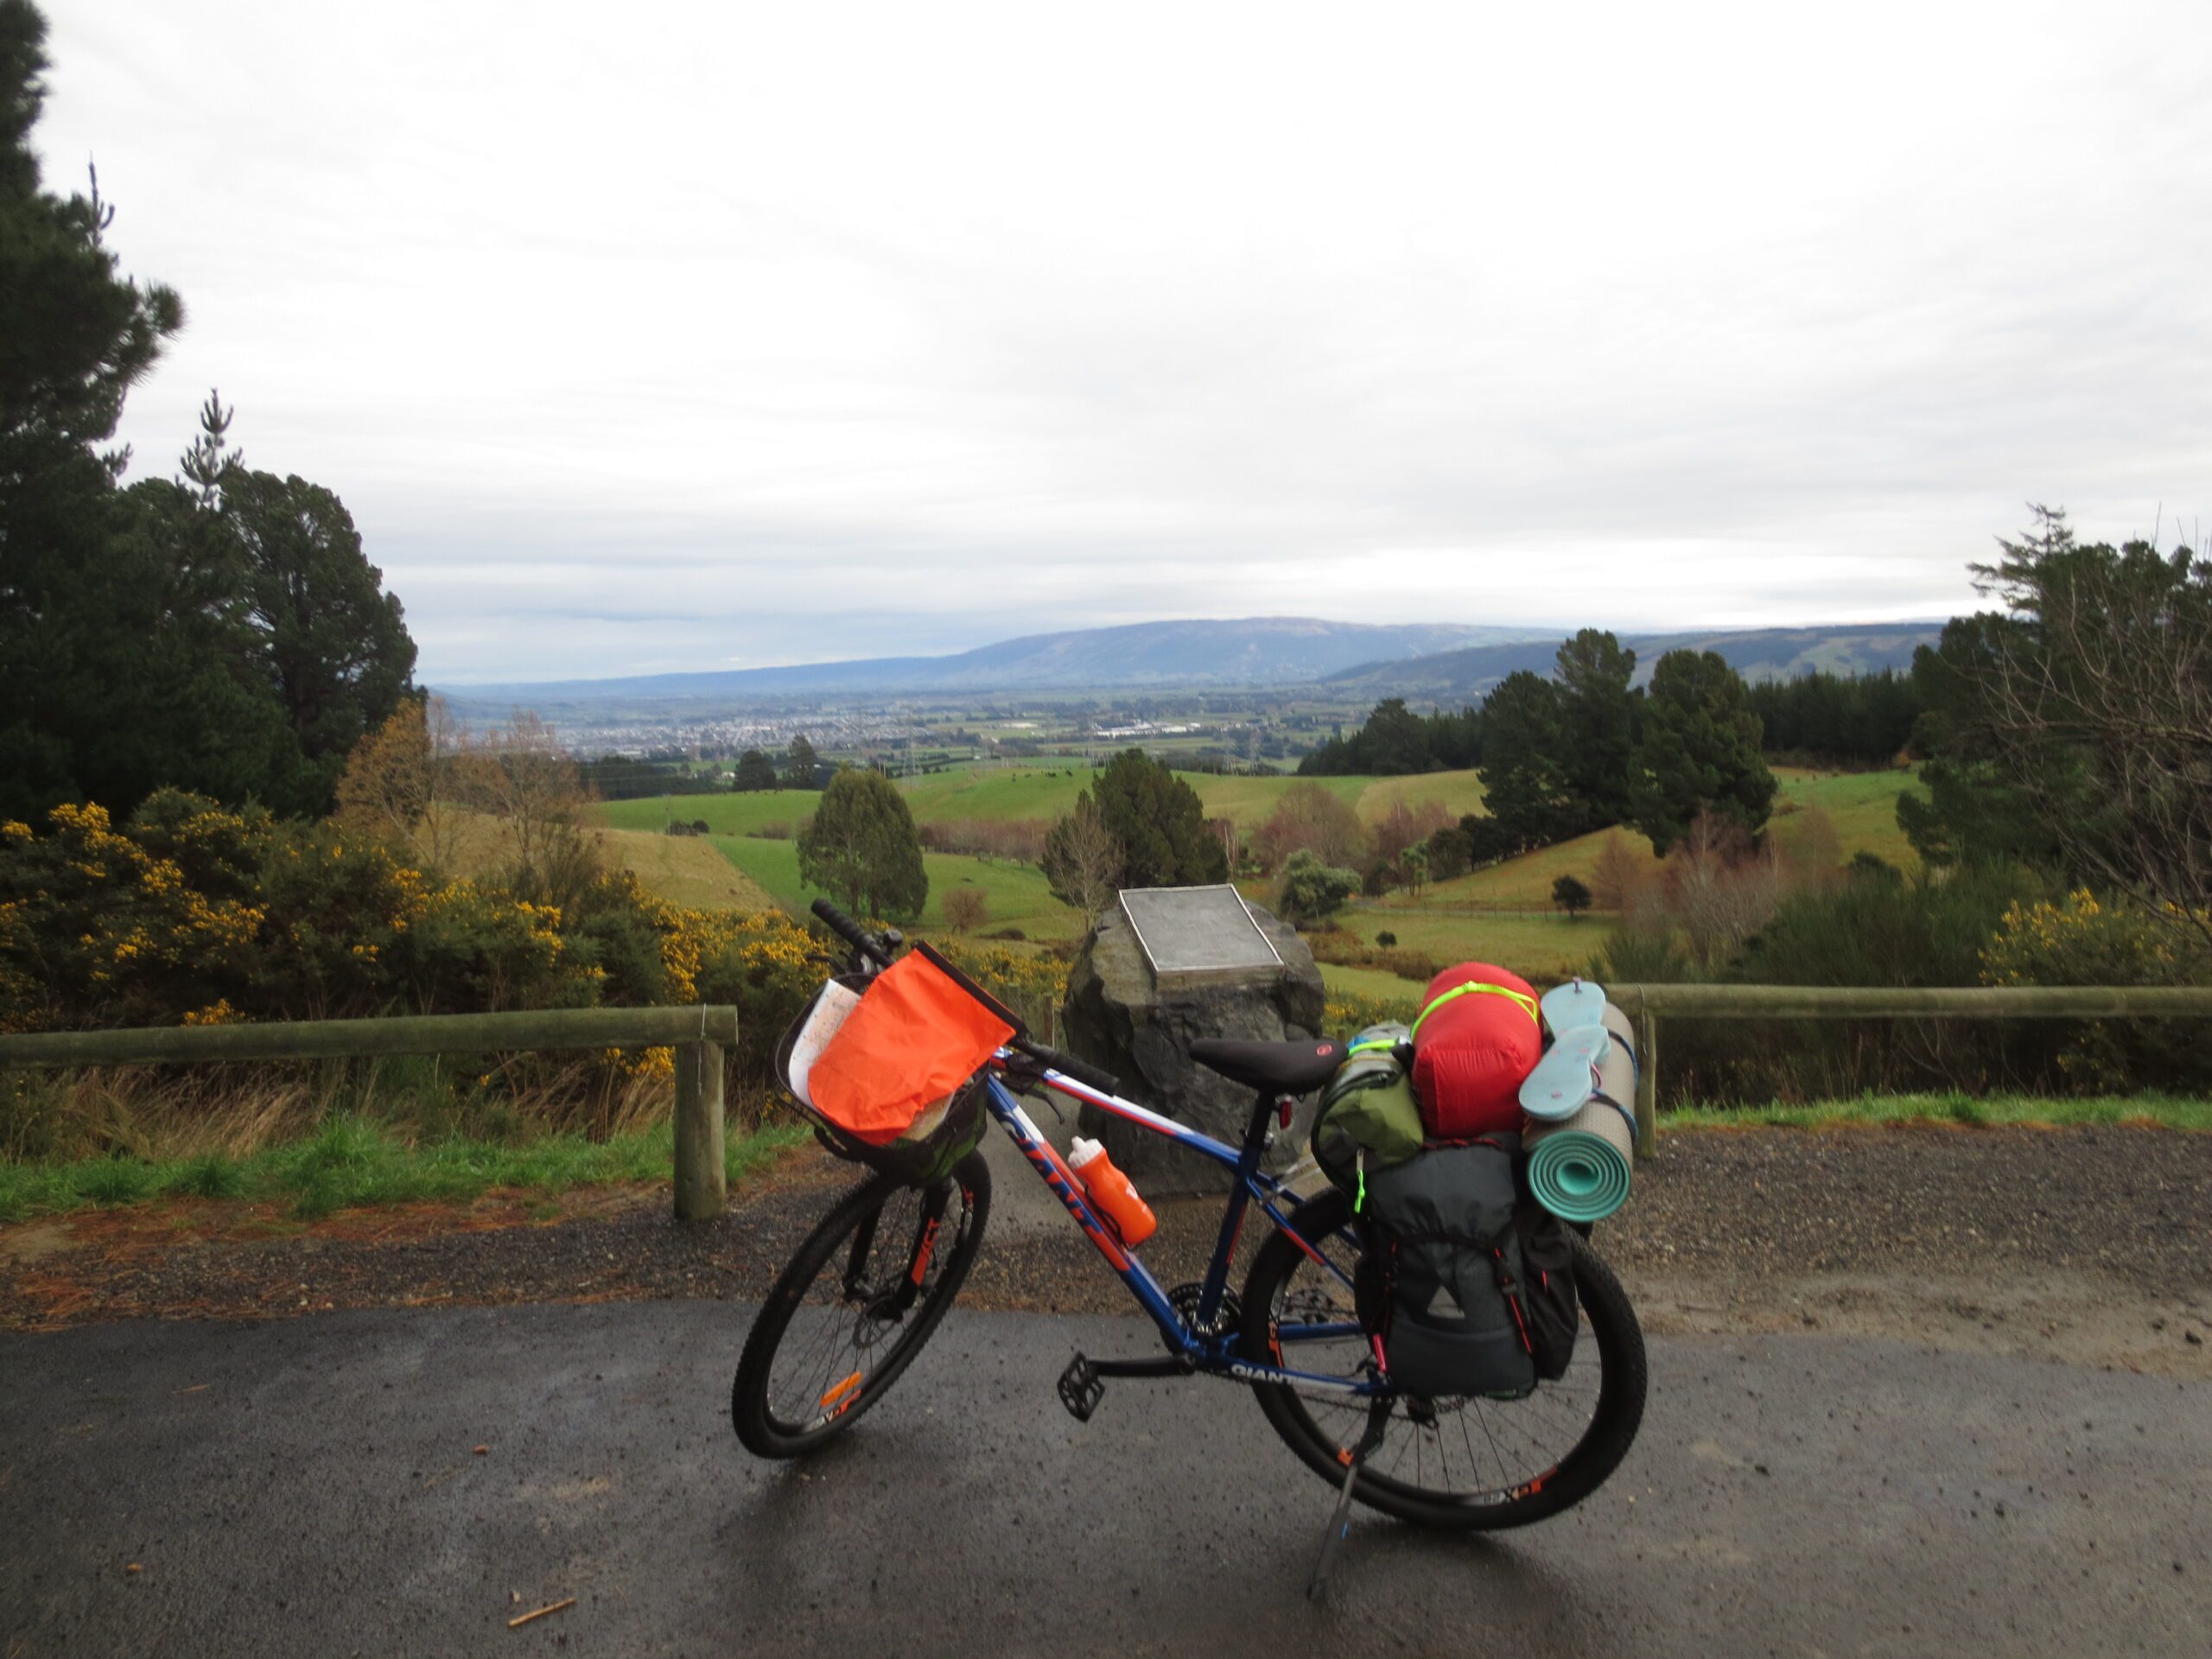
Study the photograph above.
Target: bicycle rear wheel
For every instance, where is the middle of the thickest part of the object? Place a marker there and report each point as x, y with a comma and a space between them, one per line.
854, 1306
1469, 1462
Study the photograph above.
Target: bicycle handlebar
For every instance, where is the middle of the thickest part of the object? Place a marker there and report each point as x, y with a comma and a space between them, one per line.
853, 933
1091, 1075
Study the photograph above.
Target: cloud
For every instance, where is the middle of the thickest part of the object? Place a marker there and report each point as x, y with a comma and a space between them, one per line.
778, 333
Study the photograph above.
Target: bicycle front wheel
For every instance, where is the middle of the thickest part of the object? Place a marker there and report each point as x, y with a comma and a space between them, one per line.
1467, 1462
854, 1306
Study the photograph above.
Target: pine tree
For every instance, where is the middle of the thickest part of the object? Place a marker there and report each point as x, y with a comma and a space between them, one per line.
861, 848
802, 767
1596, 728
1699, 750
1159, 822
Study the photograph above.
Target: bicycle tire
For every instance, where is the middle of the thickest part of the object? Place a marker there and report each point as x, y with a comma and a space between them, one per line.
769, 1431
1610, 1336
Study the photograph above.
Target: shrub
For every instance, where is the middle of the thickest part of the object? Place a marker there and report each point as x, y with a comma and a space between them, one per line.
965, 909
1311, 890
1386, 939
2080, 940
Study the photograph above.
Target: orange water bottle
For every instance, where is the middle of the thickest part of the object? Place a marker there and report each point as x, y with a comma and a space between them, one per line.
1111, 1192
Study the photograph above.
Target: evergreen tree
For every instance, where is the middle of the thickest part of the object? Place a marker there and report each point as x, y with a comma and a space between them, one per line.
1159, 822
1394, 740
755, 771
1570, 895
1699, 751
170, 633
802, 767
1596, 727
862, 850
326, 634
1525, 786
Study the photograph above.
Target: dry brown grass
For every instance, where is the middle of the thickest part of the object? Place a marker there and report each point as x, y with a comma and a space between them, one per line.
686, 870
160, 1113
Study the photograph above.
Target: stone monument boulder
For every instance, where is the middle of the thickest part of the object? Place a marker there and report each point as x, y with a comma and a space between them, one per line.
1119, 1015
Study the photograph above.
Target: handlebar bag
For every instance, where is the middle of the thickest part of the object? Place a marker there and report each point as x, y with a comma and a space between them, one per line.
1478, 1036
917, 1036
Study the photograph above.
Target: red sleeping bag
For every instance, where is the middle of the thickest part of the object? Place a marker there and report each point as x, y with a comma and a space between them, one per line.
1478, 1036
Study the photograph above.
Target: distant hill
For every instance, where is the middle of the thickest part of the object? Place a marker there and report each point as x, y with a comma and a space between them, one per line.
1256, 651
1468, 673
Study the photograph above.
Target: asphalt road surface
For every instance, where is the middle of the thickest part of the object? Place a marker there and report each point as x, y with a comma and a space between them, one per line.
313, 1486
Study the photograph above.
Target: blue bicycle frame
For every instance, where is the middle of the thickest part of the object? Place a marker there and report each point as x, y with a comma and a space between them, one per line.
1187, 1341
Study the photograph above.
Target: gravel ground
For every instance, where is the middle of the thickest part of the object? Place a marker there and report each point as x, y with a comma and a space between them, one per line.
2090, 1244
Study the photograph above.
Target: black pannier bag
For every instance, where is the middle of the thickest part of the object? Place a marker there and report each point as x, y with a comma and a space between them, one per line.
1547, 1301
1442, 1271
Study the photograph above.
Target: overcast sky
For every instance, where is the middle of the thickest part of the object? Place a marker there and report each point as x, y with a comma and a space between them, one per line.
656, 336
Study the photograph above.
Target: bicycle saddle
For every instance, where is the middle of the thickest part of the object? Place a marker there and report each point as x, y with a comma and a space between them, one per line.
1294, 1068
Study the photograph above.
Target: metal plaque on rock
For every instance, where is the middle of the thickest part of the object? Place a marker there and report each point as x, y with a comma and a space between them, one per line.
1192, 935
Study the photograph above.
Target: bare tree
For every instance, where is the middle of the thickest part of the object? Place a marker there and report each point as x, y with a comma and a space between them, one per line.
520, 775
1082, 859
966, 909
1619, 878
2093, 693
1721, 887
404, 783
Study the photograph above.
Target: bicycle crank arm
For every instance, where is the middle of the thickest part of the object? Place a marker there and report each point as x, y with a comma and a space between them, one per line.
1083, 1385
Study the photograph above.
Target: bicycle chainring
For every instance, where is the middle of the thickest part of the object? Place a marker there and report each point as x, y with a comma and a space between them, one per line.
1184, 1299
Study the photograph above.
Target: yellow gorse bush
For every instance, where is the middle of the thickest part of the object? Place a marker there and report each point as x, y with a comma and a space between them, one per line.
2084, 940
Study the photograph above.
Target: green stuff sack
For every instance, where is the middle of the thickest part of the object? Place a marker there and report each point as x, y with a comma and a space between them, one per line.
1368, 1107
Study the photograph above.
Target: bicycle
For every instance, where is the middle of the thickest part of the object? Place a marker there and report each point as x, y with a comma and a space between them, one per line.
867, 1288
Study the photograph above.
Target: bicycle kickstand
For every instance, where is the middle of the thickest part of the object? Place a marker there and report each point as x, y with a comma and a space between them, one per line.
1378, 1414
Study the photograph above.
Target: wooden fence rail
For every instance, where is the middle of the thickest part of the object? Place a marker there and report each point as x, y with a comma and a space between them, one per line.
1646, 1003
697, 1034
700, 1034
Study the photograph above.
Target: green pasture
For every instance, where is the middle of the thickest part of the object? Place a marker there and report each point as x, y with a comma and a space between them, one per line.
1458, 793
1372, 982
1863, 806
1017, 893
1542, 946
724, 815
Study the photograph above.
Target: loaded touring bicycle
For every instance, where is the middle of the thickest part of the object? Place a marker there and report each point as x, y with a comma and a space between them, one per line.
1320, 1329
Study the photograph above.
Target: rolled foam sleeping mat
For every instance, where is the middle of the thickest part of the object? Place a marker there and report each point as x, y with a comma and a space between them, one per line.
1580, 1169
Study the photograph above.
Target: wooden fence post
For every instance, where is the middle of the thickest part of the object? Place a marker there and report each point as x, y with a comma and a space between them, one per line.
1647, 1083
702, 1185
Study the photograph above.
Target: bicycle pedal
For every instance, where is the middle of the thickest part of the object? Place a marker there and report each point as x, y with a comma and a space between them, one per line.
1081, 1389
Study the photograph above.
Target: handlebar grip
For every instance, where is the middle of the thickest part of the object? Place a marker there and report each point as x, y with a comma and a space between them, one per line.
852, 933
1091, 1075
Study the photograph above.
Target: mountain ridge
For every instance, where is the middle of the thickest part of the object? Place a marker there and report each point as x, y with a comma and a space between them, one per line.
1246, 650
1469, 672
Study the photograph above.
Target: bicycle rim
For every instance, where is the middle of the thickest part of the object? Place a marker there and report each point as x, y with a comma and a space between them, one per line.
856, 1306
1461, 1461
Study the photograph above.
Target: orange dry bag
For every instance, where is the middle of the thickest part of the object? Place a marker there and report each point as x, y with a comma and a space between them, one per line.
916, 1037
1477, 1038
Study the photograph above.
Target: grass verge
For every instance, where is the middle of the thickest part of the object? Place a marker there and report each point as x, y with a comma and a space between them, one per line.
353, 1161
2162, 1112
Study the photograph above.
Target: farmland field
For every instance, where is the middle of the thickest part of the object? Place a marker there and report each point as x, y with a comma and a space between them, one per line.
1542, 946
683, 869
1016, 894
1502, 915
1861, 805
